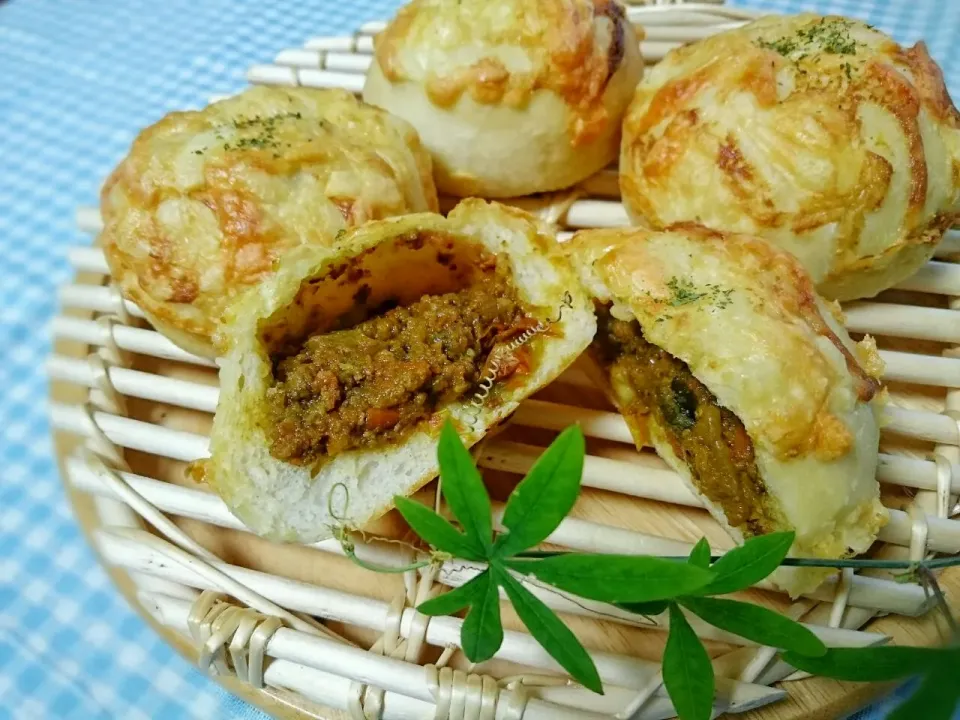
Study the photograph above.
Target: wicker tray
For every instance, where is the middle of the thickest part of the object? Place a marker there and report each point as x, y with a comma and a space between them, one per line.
130, 410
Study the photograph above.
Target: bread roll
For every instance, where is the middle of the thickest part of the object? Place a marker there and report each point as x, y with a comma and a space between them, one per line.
720, 355
323, 417
511, 97
206, 202
820, 134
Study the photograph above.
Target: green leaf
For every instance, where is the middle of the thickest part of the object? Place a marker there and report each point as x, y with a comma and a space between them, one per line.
482, 634
749, 564
616, 578
545, 496
935, 699
437, 530
756, 623
463, 489
648, 608
871, 664
455, 600
553, 636
700, 554
687, 672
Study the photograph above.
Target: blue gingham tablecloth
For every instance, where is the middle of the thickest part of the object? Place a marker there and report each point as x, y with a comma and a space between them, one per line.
77, 81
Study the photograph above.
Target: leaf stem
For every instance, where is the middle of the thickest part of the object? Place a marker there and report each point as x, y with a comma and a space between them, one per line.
935, 564
349, 549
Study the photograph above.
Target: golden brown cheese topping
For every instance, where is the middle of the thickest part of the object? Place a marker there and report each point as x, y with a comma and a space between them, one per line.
376, 382
206, 202
820, 134
502, 51
708, 438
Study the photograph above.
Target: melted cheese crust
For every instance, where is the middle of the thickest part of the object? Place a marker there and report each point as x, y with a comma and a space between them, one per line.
743, 315
820, 134
502, 51
206, 202
569, 65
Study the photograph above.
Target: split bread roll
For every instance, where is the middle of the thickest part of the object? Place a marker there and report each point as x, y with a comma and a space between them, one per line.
511, 97
206, 202
819, 134
342, 367
720, 355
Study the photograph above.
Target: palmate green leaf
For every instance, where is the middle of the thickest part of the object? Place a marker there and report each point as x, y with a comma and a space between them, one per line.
700, 554
482, 634
548, 630
464, 490
749, 563
756, 623
545, 496
616, 578
437, 530
872, 664
455, 600
687, 671
936, 698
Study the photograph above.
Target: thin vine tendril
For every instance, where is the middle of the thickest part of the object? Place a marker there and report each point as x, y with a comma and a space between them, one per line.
342, 535
489, 379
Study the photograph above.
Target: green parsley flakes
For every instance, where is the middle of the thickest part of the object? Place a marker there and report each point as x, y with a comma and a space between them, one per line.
720, 296
828, 35
683, 292
784, 46
262, 132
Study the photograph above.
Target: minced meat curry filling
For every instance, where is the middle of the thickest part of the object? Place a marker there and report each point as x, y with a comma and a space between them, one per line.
709, 438
375, 382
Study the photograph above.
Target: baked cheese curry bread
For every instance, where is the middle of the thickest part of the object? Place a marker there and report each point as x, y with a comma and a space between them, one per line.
512, 97
820, 134
342, 367
205, 202
720, 354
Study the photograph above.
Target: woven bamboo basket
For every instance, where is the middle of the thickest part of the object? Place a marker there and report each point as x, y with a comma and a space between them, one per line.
301, 631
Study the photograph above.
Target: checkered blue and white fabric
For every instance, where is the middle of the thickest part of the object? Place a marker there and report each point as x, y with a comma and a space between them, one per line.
77, 80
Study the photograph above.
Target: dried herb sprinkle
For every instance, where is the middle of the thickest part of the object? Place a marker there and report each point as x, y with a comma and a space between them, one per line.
828, 35
682, 292
264, 135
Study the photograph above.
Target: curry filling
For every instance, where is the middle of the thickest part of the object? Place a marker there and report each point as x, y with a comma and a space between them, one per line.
375, 382
652, 384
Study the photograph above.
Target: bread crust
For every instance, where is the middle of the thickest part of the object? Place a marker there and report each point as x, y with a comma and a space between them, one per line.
744, 317
289, 502
820, 134
512, 97
206, 202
